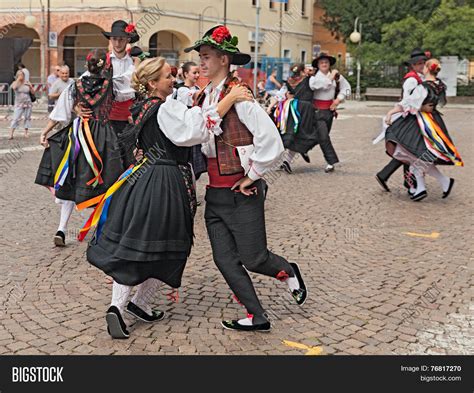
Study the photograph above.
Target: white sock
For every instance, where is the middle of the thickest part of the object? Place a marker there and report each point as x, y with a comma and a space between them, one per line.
246, 321
146, 293
120, 295
293, 283
442, 179
420, 179
66, 211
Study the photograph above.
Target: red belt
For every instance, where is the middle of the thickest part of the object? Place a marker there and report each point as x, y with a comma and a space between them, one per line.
120, 110
322, 104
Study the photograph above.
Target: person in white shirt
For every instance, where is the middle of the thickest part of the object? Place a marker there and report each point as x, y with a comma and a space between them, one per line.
188, 91
243, 146
330, 89
123, 66
412, 79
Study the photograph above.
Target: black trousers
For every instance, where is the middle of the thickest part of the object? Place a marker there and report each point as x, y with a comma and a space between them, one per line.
236, 228
389, 169
324, 119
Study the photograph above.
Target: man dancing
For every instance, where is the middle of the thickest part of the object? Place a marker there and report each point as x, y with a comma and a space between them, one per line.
235, 197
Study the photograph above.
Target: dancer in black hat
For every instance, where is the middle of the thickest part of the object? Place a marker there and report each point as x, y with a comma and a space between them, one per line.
244, 145
412, 79
330, 89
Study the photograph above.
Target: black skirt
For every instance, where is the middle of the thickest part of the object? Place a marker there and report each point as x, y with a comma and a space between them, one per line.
149, 229
50, 161
406, 132
75, 185
306, 136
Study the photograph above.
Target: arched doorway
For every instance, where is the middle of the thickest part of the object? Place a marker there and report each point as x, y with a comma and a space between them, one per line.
76, 41
169, 44
32, 57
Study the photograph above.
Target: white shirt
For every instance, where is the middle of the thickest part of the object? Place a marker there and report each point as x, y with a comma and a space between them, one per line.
325, 88
410, 84
62, 111
185, 95
123, 70
266, 138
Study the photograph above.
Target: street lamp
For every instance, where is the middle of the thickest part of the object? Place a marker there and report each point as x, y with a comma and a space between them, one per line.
30, 22
356, 38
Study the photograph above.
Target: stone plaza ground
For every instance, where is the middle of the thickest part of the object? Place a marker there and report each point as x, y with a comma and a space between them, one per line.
385, 275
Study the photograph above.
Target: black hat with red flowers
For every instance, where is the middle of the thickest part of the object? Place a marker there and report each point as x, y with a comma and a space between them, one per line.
120, 28
220, 38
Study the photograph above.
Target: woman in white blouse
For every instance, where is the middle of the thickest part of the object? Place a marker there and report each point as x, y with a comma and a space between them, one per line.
330, 89
419, 137
145, 235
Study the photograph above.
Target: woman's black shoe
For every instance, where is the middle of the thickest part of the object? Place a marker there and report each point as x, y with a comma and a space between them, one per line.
305, 157
139, 313
115, 324
300, 294
235, 325
420, 196
60, 239
451, 184
286, 167
382, 183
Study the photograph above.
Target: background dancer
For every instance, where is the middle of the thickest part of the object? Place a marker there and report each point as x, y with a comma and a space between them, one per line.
81, 161
413, 78
421, 138
330, 89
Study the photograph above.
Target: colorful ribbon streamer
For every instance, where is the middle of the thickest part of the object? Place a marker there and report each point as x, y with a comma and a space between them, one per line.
436, 141
99, 215
63, 169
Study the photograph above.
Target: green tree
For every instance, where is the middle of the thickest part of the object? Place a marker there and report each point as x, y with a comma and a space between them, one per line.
374, 14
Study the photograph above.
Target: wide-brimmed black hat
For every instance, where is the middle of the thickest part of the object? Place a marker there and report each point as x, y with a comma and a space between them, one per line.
120, 28
220, 38
332, 60
416, 55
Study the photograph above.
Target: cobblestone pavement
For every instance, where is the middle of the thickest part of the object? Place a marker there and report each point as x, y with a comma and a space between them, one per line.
385, 275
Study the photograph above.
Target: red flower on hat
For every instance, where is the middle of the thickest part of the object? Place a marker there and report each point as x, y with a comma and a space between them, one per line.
220, 34
130, 28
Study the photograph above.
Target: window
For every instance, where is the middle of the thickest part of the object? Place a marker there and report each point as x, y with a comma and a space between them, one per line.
286, 5
303, 56
271, 5
303, 7
254, 3
287, 53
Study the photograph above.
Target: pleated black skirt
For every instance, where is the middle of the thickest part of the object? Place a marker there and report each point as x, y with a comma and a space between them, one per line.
149, 229
306, 136
406, 132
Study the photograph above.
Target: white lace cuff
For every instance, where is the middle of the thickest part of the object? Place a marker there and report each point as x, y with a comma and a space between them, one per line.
213, 120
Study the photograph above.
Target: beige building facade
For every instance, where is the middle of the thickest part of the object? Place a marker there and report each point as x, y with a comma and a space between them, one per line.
66, 31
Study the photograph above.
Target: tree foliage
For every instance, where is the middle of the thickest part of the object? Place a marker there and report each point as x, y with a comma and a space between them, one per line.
373, 14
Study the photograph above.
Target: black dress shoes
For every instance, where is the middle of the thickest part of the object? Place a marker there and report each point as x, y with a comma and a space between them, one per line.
115, 324
286, 167
382, 183
139, 313
420, 196
451, 184
59, 239
300, 294
235, 325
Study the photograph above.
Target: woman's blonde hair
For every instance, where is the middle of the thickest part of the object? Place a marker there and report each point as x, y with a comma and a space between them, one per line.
148, 70
433, 66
